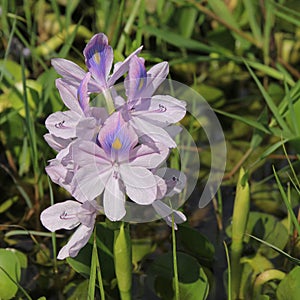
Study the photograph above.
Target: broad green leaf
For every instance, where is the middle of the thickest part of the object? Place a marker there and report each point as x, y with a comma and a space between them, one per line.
12, 70
267, 228
289, 287
195, 243
81, 291
193, 284
141, 248
10, 272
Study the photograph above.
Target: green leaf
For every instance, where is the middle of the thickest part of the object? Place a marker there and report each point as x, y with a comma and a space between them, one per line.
195, 243
12, 70
289, 287
193, 284
267, 228
141, 248
81, 291
289, 257
269, 101
10, 272
178, 40
8, 203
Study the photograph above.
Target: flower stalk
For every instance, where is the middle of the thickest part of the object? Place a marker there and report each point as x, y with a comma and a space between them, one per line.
123, 261
239, 223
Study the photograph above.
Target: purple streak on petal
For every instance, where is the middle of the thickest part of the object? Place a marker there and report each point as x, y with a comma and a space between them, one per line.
82, 93
78, 240
121, 68
136, 79
116, 137
99, 58
61, 216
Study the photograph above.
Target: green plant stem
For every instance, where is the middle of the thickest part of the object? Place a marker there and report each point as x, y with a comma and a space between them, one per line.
239, 223
128, 25
229, 271
123, 261
109, 101
98, 268
176, 281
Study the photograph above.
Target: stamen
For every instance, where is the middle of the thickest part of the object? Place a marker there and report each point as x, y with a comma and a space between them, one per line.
174, 178
162, 108
60, 124
115, 175
65, 216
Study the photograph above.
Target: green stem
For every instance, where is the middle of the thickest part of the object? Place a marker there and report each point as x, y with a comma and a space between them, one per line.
99, 275
123, 261
109, 101
128, 25
176, 282
239, 223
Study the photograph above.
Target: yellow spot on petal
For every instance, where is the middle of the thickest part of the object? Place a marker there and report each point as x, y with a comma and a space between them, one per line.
97, 57
117, 145
141, 83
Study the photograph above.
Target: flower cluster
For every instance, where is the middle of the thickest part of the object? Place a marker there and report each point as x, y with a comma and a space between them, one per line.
107, 157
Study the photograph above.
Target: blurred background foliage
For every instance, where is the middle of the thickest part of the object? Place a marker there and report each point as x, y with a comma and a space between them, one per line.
242, 56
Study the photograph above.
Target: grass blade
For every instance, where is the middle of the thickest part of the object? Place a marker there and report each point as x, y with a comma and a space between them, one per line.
286, 202
289, 257
269, 101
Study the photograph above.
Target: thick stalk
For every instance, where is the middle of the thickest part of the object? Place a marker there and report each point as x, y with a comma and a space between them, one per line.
239, 223
123, 261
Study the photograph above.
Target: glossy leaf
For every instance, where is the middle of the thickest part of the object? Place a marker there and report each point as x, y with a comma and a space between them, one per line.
10, 272
289, 288
193, 283
195, 243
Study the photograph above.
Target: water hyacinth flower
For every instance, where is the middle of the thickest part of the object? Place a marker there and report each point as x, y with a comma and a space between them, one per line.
150, 116
98, 58
117, 166
69, 215
116, 156
80, 121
